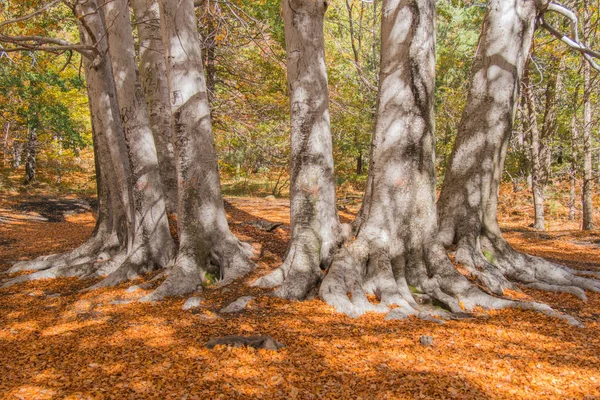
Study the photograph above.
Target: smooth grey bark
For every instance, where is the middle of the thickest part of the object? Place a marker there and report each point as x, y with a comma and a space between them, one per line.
467, 206
153, 74
397, 249
111, 233
5, 148
205, 242
152, 246
316, 230
588, 178
574, 163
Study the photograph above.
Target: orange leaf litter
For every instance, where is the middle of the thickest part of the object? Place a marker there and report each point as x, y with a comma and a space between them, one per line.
79, 346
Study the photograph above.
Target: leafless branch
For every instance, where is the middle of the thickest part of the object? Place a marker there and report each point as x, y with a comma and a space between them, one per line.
30, 43
572, 41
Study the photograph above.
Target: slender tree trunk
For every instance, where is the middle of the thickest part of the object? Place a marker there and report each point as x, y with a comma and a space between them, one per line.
17, 153
535, 149
5, 146
205, 242
469, 198
31, 159
574, 165
153, 74
588, 179
359, 163
153, 246
316, 231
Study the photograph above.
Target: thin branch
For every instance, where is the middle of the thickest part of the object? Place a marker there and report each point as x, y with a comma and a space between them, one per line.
44, 43
29, 16
572, 41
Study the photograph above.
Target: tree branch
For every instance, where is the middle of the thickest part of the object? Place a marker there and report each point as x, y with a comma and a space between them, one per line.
45, 44
572, 41
29, 16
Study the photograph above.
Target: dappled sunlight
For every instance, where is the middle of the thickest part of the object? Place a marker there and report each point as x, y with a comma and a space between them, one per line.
83, 344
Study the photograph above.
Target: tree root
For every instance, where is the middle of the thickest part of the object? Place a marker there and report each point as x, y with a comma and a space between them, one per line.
299, 276
365, 267
83, 270
507, 265
96, 247
230, 258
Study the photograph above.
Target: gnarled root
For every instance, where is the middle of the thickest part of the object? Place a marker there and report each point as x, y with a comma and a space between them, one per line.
83, 270
231, 258
299, 276
68, 265
98, 246
503, 265
365, 267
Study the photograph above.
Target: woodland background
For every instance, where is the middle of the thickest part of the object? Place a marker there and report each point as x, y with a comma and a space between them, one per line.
45, 117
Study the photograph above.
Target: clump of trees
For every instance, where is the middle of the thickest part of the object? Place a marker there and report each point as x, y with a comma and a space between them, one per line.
153, 125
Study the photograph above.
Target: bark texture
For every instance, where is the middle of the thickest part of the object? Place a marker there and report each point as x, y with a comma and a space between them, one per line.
153, 74
397, 255
152, 246
205, 242
468, 201
588, 173
316, 231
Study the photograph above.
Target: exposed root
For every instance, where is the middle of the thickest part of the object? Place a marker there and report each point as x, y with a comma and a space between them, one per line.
64, 271
123, 267
90, 251
231, 258
365, 267
507, 265
184, 277
299, 276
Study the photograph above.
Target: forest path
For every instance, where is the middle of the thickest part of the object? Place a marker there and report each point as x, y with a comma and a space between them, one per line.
56, 342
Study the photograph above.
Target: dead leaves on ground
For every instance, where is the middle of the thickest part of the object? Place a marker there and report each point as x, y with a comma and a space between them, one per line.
58, 343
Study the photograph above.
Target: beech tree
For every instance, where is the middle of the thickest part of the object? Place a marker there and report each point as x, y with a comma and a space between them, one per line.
316, 230
153, 74
205, 242
468, 200
399, 249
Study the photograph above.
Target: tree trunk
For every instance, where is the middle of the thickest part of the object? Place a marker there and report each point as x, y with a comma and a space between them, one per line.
316, 231
397, 250
588, 178
574, 164
31, 159
112, 172
5, 148
153, 73
535, 149
205, 242
468, 201
17, 153
153, 246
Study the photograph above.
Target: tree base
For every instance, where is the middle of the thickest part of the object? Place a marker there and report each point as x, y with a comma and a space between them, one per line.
231, 258
299, 276
498, 266
413, 284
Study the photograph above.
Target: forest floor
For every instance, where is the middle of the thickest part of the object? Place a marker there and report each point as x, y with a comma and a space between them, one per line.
56, 342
